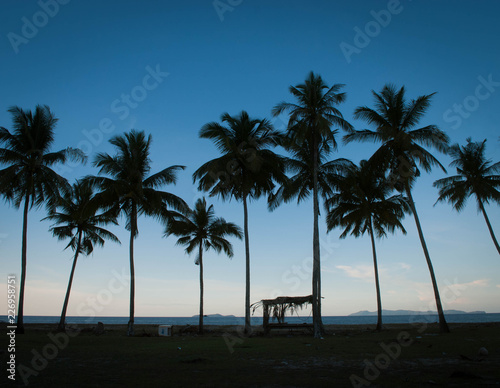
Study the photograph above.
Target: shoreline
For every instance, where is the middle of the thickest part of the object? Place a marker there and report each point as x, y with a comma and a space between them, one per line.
217, 330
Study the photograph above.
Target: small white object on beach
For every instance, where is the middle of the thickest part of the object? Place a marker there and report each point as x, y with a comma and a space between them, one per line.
483, 351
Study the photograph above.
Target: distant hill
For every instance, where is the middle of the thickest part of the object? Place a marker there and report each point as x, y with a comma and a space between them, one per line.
214, 316
410, 312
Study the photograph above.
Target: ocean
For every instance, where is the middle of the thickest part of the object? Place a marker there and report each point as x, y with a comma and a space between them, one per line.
257, 320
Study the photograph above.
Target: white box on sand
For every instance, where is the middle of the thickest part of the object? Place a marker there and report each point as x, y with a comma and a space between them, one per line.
165, 330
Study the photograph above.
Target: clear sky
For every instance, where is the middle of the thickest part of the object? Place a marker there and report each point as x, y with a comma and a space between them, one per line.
102, 68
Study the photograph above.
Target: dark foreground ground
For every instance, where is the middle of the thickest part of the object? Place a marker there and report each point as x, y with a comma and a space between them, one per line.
349, 356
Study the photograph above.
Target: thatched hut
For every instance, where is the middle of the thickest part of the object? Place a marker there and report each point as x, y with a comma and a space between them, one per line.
278, 307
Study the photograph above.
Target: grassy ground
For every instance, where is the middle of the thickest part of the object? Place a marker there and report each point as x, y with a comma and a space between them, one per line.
401, 355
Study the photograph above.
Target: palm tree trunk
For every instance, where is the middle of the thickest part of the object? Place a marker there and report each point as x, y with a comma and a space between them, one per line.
200, 325
133, 230
443, 326
248, 326
61, 326
20, 311
316, 275
481, 206
377, 284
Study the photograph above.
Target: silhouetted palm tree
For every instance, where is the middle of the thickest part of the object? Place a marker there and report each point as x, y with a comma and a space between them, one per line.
29, 178
131, 189
402, 150
200, 229
310, 126
476, 176
247, 169
362, 204
78, 221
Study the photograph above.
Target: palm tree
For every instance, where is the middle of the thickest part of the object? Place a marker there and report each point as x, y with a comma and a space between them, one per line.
78, 221
362, 205
247, 169
129, 187
310, 126
476, 175
402, 150
200, 229
29, 179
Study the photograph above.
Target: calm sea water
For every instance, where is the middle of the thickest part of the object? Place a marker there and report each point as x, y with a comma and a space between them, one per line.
347, 320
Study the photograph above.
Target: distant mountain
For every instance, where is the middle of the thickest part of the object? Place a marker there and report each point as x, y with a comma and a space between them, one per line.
410, 312
214, 316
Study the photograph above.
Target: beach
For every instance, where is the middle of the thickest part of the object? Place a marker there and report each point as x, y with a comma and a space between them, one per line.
349, 355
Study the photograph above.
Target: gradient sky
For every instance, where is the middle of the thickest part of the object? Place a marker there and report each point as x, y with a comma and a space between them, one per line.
83, 58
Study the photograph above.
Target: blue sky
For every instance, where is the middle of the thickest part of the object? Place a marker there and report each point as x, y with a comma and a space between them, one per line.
102, 68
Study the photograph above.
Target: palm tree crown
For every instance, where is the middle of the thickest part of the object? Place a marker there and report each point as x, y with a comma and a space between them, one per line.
75, 214
200, 229
300, 184
402, 150
29, 176
475, 176
247, 167
362, 200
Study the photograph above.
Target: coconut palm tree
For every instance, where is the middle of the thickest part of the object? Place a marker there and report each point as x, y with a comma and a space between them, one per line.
475, 176
246, 170
310, 123
200, 229
362, 205
29, 179
402, 151
128, 186
76, 218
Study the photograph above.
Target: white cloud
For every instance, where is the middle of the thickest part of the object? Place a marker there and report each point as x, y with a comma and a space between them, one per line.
404, 266
363, 272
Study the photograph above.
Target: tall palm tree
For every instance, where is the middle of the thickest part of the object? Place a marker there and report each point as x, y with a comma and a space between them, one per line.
310, 125
246, 170
77, 219
129, 187
29, 179
362, 205
402, 151
200, 229
475, 176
